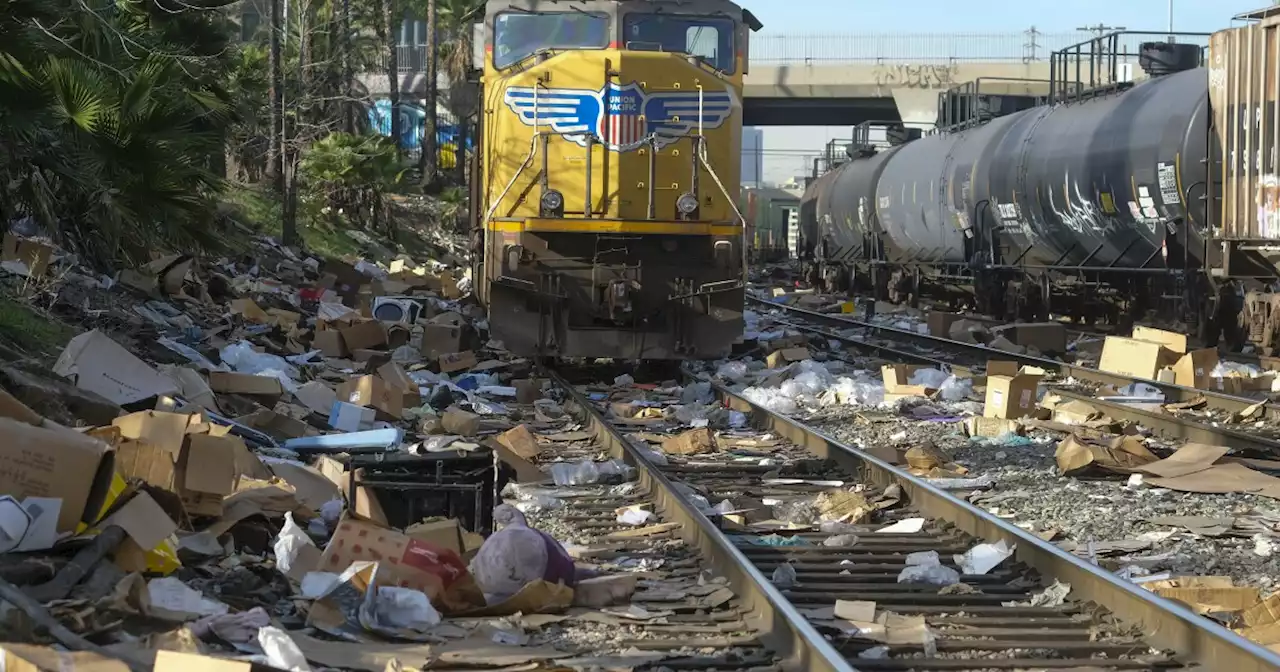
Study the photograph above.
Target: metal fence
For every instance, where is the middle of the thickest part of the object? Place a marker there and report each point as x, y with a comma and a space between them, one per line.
1026, 46
1029, 45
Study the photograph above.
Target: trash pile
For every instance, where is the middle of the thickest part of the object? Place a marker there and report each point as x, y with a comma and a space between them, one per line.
277, 459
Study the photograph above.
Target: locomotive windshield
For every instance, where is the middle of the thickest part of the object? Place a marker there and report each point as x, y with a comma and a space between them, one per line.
707, 37
517, 36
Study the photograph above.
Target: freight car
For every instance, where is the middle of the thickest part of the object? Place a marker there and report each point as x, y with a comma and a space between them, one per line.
771, 214
1080, 196
605, 185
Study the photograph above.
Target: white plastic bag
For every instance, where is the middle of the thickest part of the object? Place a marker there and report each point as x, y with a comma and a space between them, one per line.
290, 542
408, 608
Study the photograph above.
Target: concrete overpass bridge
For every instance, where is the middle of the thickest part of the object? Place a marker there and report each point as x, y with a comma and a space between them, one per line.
845, 79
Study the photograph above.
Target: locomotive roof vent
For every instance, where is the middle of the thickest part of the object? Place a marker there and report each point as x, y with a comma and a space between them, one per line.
1165, 58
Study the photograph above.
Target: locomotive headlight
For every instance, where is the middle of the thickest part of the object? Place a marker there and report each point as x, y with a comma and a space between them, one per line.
552, 201
687, 204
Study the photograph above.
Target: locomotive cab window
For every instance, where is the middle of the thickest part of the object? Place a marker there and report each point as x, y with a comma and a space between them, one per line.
517, 36
707, 37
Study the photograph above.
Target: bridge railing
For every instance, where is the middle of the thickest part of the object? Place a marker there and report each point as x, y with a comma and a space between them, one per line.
1027, 46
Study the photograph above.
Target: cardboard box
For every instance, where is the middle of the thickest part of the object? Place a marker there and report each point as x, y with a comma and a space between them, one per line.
373, 391
1011, 397
243, 383
398, 380
54, 462
457, 361
440, 339
330, 343
98, 364
1171, 340
896, 379
780, 358
403, 561
442, 533
180, 453
369, 335
1133, 357
35, 254
940, 322
1193, 369
1043, 336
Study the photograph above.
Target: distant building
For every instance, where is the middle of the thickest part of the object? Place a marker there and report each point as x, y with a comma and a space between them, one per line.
752, 156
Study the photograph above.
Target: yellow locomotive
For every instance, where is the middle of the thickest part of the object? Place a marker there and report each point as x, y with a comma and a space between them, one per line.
605, 182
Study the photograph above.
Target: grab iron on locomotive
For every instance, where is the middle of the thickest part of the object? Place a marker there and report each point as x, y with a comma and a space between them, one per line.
1108, 192
605, 186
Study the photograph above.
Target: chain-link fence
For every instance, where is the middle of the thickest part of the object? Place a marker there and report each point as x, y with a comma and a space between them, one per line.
1029, 45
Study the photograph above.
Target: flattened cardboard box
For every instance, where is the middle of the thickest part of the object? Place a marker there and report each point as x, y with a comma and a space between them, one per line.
227, 382
457, 361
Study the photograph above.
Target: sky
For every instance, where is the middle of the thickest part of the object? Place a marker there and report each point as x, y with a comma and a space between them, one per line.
788, 150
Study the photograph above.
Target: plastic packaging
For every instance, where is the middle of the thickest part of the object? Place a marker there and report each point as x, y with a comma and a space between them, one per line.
291, 540
933, 378
516, 555
926, 567
770, 399
625, 380
244, 359
410, 608
575, 473
281, 651
955, 389
841, 540
734, 371
784, 575
697, 393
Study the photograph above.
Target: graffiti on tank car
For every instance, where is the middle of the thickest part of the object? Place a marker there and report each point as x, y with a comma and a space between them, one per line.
905, 75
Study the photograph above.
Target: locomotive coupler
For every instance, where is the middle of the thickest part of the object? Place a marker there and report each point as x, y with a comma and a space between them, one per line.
618, 297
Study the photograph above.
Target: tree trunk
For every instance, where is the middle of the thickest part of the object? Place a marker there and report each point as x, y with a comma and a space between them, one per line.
302, 114
460, 152
430, 153
387, 34
275, 153
347, 97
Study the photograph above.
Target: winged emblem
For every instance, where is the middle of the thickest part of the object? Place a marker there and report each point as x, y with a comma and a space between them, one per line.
629, 118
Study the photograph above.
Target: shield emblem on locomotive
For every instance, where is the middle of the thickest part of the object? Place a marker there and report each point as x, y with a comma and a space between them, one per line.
623, 118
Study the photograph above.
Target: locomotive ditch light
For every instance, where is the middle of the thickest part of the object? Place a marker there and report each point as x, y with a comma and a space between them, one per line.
687, 205
552, 203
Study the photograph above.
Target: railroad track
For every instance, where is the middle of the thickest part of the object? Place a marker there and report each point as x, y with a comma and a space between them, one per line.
1011, 617
910, 346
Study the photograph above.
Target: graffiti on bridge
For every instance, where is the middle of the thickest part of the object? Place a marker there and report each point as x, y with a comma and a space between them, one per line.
906, 75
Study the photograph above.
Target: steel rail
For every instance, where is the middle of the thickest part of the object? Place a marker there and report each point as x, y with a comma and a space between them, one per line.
781, 627
1165, 624
1172, 393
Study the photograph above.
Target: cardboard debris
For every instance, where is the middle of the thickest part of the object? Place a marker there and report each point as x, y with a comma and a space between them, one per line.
98, 364
692, 442
1122, 455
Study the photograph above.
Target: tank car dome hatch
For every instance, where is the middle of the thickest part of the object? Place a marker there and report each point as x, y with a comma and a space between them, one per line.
900, 135
1165, 58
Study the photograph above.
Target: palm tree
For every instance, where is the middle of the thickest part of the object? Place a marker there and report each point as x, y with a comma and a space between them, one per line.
113, 123
456, 18
385, 28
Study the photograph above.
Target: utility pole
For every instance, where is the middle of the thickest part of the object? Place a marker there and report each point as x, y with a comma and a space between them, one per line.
1031, 48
